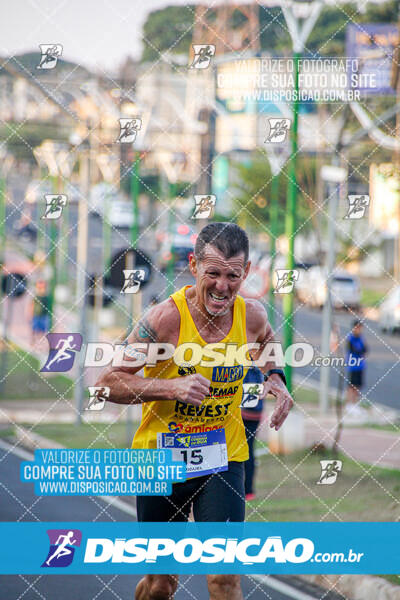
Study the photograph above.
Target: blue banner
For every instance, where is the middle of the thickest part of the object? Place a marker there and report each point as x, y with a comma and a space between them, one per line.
76, 472
243, 548
372, 44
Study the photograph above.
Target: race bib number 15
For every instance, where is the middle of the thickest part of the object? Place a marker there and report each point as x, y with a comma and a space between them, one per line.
203, 453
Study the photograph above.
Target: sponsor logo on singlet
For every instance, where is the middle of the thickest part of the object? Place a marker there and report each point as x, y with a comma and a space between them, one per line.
227, 374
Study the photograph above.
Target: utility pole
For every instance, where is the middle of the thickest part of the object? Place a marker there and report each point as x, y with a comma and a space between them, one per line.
335, 175
59, 161
82, 252
136, 308
290, 222
53, 226
2, 222
276, 162
171, 262
109, 166
273, 215
299, 37
333, 190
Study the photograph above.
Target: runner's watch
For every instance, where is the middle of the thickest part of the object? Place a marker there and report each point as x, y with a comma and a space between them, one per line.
278, 372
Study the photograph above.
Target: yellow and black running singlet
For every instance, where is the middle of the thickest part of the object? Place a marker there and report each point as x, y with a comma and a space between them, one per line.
221, 407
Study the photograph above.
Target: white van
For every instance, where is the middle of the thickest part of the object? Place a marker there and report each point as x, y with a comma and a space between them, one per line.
346, 289
389, 311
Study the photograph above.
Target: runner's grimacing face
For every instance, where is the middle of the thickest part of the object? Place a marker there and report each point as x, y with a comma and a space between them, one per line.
218, 279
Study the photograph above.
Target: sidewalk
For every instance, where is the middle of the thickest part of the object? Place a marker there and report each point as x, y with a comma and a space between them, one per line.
362, 443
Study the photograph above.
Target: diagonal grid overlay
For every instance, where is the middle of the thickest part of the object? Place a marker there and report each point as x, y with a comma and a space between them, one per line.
168, 207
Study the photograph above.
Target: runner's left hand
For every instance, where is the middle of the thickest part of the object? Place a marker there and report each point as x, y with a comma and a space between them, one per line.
284, 402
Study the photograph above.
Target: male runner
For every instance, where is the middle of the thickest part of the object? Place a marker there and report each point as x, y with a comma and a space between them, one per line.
204, 401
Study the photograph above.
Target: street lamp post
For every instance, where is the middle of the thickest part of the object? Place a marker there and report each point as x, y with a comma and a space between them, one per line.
81, 274
172, 165
3, 153
134, 230
276, 162
273, 215
59, 160
308, 13
135, 189
334, 175
65, 160
109, 166
171, 262
6, 162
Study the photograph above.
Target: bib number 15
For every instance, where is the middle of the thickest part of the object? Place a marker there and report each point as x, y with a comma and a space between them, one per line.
192, 457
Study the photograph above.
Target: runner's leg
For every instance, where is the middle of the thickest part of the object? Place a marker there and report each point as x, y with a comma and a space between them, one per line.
156, 587
173, 508
221, 497
224, 587
249, 466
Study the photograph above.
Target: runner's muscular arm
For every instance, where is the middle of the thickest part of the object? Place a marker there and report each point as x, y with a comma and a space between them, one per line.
259, 328
160, 324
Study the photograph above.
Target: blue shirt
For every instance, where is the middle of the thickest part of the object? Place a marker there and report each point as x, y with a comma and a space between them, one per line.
253, 375
356, 350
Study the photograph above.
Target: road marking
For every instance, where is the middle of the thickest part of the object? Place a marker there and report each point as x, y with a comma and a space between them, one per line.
17, 451
120, 504
111, 500
261, 451
282, 587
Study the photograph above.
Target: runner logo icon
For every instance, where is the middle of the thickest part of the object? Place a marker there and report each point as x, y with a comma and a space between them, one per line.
357, 207
50, 54
133, 279
62, 547
54, 205
202, 55
205, 204
62, 352
278, 130
98, 397
128, 130
330, 469
286, 279
251, 394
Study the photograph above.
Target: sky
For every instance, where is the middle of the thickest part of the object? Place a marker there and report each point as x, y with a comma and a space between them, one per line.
95, 33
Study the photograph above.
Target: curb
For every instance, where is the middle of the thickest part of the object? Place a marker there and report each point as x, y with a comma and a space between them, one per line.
314, 385
357, 587
31, 440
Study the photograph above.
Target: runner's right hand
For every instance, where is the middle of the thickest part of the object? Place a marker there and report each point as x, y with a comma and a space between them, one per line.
191, 389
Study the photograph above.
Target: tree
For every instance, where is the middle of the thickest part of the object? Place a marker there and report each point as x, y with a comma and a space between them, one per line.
175, 37
326, 39
252, 192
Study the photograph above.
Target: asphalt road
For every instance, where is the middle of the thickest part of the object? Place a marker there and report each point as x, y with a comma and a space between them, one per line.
19, 503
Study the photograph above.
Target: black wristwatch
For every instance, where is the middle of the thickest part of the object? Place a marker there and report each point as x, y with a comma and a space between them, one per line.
278, 372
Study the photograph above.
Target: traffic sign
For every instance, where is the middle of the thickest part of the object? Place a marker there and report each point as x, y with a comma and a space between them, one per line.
333, 174
13, 285
107, 295
128, 258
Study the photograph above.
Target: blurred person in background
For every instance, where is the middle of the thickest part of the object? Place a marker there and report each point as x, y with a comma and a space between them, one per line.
251, 420
355, 361
40, 313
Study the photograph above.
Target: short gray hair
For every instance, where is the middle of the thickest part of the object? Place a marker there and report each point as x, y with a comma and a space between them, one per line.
228, 238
